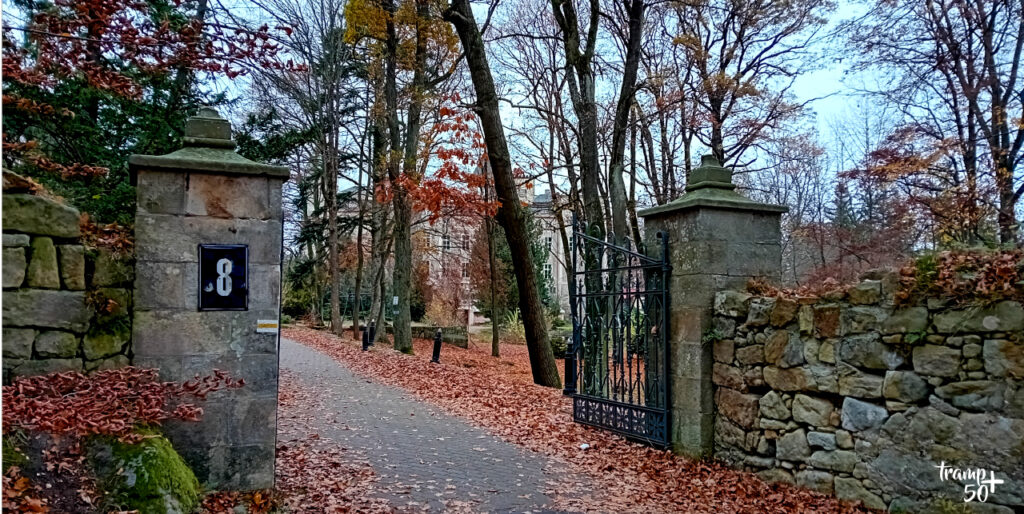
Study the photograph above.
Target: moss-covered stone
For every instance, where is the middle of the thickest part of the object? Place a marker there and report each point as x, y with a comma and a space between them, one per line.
149, 476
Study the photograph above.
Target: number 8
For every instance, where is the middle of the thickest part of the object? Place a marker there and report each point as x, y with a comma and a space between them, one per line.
224, 267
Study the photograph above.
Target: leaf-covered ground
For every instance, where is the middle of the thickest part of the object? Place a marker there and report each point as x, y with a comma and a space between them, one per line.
499, 395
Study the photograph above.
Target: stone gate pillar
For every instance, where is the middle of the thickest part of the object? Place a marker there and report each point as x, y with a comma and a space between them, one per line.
717, 240
208, 232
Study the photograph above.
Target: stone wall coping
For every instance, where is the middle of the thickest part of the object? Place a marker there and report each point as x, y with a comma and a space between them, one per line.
712, 198
206, 159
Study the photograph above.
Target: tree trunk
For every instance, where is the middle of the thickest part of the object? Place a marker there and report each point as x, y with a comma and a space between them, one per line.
510, 214
616, 186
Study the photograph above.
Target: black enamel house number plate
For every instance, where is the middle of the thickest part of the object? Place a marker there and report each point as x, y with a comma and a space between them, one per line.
223, 277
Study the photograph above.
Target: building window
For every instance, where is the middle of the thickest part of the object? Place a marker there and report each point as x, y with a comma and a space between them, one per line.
547, 271
465, 241
465, 271
446, 241
548, 240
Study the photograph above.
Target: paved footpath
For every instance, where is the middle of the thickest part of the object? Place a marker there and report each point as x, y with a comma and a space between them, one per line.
421, 454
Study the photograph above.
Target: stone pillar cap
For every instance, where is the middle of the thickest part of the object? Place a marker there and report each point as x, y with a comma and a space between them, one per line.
710, 186
208, 147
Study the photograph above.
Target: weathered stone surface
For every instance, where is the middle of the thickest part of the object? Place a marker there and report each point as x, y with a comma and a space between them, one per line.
827, 351
772, 406
727, 376
729, 434
784, 311
166, 238
225, 196
44, 366
72, 266
1004, 358
741, 408
776, 476
15, 240
64, 310
112, 269
905, 386
857, 320
38, 215
868, 351
971, 350
17, 343
760, 311
974, 394
906, 321
820, 481
858, 415
42, 266
723, 350
934, 360
852, 489
805, 319
839, 460
732, 303
793, 446
13, 267
53, 343
844, 439
1001, 317
118, 301
853, 382
867, 292
826, 320
750, 355
813, 411
753, 377
823, 378
105, 340
784, 349
115, 362
789, 379
725, 327
823, 440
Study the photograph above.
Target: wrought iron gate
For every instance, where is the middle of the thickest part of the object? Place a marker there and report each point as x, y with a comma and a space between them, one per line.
616, 366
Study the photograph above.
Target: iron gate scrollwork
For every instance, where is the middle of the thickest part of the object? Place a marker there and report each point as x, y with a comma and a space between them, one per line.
617, 366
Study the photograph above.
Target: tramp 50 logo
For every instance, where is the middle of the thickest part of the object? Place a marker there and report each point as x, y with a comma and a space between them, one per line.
978, 483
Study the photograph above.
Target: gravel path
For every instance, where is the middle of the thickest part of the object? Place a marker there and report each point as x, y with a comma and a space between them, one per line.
424, 457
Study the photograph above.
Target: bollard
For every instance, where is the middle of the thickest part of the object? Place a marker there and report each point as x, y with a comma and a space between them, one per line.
373, 332
437, 347
366, 340
570, 365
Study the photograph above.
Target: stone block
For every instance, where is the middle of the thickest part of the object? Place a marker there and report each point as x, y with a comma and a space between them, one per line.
15, 240
938, 361
39, 216
789, 379
838, 460
56, 344
226, 196
868, 292
776, 476
827, 351
981, 395
823, 378
814, 411
853, 382
853, 490
1004, 358
844, 440
826, 320
161, 192
723, 350
105, 340
759, 312
72, 266
112, 269
47, 366
784, 311
166, 286
971, 350
724, 327
165, 238
905, 386
771, 406
814, 480
823, 440
13, 267
805, 319
753, 377
906, 321
783, 349
728, 376
750, 355
43, 271
117, 303
1002, 317
44, 308
793, 446
728, 434
859, 415
860, 319
868, 351
17, 342
741, 408
115, 362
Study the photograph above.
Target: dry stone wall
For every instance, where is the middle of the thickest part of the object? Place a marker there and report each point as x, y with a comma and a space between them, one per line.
65, 306
850, 395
